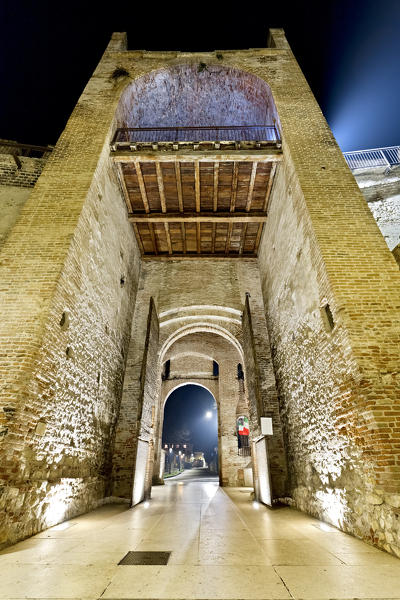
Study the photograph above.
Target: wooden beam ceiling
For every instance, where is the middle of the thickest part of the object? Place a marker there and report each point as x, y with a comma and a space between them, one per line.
194, 205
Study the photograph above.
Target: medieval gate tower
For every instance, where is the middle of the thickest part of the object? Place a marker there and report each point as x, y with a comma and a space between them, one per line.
197, 208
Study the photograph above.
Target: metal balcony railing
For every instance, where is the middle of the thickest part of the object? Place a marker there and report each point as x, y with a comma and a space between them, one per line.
375, 157
214, 134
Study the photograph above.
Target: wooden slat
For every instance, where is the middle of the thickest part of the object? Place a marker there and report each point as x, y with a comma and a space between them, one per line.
251, 186
234, 187
258, 238
215, 196
138, 237
168, 236
161, 190
202, 217
198, 238
269, 155
228, 238
179, 185
214, 227
269, 187
124, 188
183, 232
142, 186
153, 237
197, 185
166, 257
243, 238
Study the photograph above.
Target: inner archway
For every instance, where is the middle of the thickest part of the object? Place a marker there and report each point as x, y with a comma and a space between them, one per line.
190, 433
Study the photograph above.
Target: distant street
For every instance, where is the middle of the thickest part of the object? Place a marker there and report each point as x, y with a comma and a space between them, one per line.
196, 474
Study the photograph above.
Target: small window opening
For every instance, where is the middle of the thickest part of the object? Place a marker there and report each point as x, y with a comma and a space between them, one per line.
69, 352
327, 317
240, 373
64, 321
98, 378
215, 368
119, 72
167, 369
122, 280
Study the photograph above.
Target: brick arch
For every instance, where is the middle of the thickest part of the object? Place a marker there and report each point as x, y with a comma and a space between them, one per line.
197, 327
194, 382
214, 343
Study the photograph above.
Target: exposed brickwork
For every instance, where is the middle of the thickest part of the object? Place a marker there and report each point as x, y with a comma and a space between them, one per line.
214, 298
60, 384
72, 251
12, 199
338, 389
26, 176
261, 385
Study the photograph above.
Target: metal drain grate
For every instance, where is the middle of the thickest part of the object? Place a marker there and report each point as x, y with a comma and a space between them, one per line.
145, 558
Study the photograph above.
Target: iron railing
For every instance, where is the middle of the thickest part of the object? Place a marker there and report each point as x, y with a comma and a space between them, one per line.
244, 451
375, 157
237, 133
17, 149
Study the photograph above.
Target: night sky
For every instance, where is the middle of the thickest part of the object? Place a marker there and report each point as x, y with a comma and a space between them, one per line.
185, 420
348, 50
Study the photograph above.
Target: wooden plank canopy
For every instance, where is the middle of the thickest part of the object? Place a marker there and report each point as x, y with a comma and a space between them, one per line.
187, 205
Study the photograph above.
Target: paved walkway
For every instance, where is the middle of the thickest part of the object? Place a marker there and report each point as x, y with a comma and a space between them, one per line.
223, 546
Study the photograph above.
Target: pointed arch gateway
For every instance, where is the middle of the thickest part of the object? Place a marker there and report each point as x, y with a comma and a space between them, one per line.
196, 148
203, 199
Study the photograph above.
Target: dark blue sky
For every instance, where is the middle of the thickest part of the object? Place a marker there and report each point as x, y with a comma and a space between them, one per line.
185, 411
348, 50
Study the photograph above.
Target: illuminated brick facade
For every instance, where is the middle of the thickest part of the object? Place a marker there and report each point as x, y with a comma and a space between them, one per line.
82, 354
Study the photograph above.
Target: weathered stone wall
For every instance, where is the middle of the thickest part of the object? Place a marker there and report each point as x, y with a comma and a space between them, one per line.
381, 189
225, 389
25, 175
72, 249
195, 297
188, 95
15, 186
261, 386
138, 414
12, 199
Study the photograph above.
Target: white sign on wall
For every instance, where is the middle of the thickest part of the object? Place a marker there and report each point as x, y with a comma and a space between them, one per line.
266, 426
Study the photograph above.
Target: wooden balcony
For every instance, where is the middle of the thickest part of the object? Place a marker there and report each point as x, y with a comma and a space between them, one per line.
194, 192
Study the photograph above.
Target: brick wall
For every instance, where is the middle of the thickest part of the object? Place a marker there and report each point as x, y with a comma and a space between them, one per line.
69, 270
338, 386
71, 249
24, 176
261, 385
